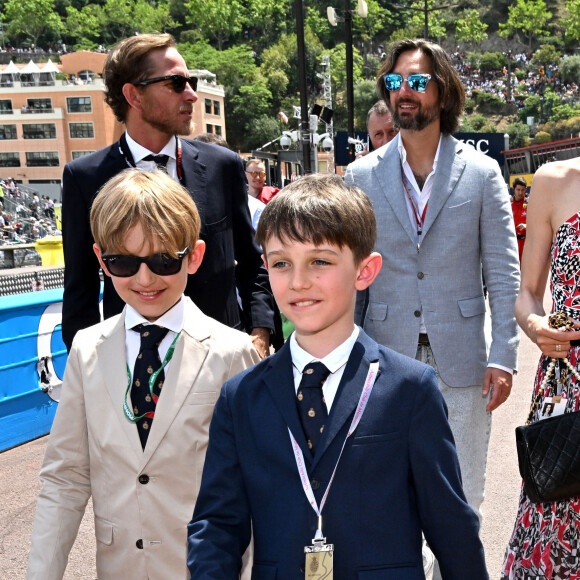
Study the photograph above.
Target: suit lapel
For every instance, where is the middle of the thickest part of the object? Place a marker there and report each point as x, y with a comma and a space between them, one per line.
195, 177
188, 358
279, 380
114, 369
387, 172
347, 397
449, 169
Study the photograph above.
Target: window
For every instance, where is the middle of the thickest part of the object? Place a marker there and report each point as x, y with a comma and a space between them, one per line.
8, 132
209, 128
77, 154
39, 131
81, 130
208, 106
42, 159
79, 105
9, 159
218, 129
6, 107
39, 106
216, 107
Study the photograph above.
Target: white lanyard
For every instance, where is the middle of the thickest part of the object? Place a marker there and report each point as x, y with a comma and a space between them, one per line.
299, 456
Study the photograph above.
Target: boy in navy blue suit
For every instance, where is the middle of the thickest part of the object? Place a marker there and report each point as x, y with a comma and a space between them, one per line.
335, 468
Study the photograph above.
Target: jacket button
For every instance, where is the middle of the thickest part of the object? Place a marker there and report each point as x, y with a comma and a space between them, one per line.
139, 544
315, 484
143, 479
417, 313
420, 275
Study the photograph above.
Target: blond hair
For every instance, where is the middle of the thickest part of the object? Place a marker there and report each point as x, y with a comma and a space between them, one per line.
321, 208
160, 205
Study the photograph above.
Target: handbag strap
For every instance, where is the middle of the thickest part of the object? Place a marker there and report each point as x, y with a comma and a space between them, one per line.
560, 321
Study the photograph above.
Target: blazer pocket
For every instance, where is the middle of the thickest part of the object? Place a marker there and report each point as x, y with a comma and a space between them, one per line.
264, 572
368, 439
216, 227
203, 398
398, 572
472, 306
104, 531
377, 310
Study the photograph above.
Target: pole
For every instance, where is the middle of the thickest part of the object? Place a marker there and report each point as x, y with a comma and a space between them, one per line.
305, 135
349, 74
426, 28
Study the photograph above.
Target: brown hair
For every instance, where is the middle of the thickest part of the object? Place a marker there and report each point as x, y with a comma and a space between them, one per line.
451, 91
379, 108
519, 181
321, 208
128, 62
162, 207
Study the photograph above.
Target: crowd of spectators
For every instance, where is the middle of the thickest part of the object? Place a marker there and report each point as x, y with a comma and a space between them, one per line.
24, 216
525, 79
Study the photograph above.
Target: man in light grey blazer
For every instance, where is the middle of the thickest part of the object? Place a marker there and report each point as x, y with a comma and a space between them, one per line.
443, 215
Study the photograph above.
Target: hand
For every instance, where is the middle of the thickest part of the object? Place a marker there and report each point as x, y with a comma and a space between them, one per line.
362, 153
501, 382
261, 341
521, 227
552, 342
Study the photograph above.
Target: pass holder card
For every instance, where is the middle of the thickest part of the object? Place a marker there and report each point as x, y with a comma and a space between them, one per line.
319, 560
553, 406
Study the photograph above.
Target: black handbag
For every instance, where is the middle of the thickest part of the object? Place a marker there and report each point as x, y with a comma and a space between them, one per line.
549, 450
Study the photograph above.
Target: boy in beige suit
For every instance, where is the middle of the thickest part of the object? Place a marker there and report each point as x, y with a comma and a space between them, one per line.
139, 391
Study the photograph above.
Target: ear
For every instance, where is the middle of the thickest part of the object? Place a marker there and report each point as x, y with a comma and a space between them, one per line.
265, 261
132, 95
368, 270
195, 257
99, 255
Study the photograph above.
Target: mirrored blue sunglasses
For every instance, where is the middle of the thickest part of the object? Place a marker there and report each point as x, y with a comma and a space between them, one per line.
417, 82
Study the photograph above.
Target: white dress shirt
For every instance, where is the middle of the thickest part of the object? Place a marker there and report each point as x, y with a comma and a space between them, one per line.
139, 152
335, 362
172, 320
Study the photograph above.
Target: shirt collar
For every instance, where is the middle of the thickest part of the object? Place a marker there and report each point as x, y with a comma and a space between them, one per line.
333, 361
172, 319
403, 151
139, 152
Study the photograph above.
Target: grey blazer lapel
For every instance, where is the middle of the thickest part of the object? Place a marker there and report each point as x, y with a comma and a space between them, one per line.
387, 172
113, 364
449, 169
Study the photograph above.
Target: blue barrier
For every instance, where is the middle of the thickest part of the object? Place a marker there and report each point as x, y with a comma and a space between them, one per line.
32, 361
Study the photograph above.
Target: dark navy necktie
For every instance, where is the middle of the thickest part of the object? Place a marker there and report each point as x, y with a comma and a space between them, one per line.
148, 361
311, 405
160, 160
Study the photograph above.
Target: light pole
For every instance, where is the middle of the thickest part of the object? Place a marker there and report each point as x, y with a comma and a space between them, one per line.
333, 18
304, 120
426, 11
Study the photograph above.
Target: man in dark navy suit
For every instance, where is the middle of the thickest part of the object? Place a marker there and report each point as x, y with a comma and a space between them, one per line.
149, 89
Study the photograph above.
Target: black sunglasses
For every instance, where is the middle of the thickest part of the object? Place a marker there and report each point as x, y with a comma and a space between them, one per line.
125, 266
178, 82
417, 82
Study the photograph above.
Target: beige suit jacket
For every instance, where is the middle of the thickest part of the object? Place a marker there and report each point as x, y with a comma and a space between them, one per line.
143, 500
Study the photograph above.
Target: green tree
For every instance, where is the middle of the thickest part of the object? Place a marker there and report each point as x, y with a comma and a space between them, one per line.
470, 28
365, 96
519, 134
530, 17
546, 55
84, 27
569, 69
219, 20
435, 22
32, 18
374, 24
571, 22
267, 18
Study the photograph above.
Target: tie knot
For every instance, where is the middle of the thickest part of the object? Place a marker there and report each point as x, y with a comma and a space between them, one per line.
314, 375
151, 335
160, 160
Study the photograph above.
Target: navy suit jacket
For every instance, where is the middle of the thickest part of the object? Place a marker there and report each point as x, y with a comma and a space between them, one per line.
398, 475
214, 176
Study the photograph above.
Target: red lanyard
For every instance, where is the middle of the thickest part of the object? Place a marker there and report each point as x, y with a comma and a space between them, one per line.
419, 218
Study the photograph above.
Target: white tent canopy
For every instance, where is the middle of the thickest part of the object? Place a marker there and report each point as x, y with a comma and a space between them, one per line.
50, 67
30, 68
11, 69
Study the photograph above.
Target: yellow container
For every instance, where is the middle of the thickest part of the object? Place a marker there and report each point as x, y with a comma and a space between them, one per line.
50, 250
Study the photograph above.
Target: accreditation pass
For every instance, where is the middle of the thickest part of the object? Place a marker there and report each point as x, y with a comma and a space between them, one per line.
319, 560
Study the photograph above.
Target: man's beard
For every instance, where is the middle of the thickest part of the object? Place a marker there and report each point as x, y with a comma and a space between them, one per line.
166, 125
421, 119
